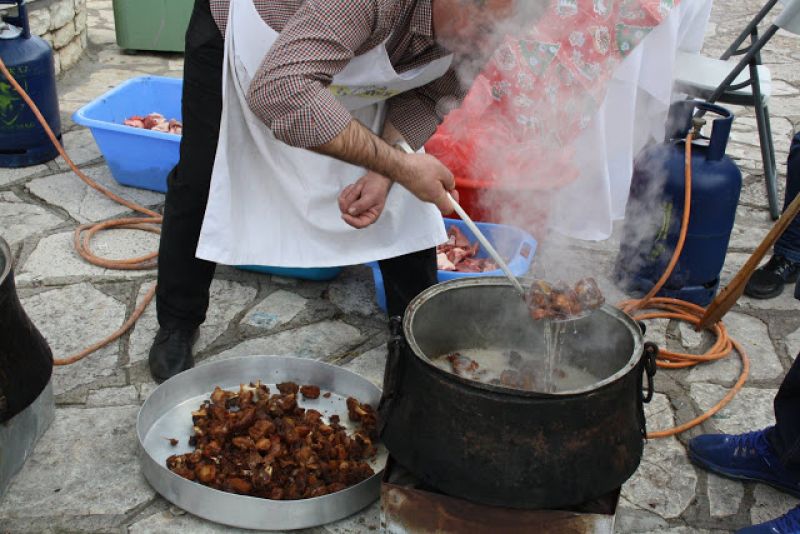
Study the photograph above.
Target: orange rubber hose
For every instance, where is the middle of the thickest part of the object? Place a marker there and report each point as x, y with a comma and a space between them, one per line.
85, 232
691, 313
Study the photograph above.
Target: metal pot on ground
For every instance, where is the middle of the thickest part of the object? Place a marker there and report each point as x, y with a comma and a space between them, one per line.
26, 364
506, 447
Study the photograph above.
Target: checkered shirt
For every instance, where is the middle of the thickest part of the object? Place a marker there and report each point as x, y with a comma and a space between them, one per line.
317, 40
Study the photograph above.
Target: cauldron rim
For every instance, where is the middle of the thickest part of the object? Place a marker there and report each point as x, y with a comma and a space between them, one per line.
5, 254
433, 291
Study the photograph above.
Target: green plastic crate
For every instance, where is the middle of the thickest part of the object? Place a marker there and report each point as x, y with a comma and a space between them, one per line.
152, 24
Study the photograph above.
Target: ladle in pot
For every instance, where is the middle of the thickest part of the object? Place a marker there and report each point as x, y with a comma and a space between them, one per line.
481, 238
571, 318
564, 303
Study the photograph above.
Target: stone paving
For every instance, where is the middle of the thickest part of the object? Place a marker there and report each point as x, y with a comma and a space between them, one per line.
84, 475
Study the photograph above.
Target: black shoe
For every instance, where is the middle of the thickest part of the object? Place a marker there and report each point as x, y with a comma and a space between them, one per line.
768, 281
171, 353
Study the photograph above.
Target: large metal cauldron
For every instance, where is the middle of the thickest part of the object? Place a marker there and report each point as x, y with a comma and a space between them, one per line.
506, 447
26, 362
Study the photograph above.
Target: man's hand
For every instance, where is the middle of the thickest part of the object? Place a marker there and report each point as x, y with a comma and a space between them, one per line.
422, 174
362, 203
427, 179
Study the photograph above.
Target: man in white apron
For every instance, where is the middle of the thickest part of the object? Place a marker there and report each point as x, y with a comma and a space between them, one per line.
291, 109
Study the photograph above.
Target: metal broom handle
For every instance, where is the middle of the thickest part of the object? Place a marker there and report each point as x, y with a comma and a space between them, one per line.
475, 230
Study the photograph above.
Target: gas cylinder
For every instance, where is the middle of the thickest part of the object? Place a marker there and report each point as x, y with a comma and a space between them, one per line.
29, 58
655, 208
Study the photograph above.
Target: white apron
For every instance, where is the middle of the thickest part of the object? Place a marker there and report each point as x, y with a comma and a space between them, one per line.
274, 204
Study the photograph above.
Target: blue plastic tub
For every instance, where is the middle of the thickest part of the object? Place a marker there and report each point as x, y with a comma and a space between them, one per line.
516, 246
137, 157
321, 274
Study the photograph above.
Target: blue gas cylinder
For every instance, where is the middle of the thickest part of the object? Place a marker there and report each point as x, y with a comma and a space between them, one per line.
656, 206
29, 58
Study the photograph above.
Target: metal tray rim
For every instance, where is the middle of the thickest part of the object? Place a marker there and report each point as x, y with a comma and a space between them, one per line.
245, 511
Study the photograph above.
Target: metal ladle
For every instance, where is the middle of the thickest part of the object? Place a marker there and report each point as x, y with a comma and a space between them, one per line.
474, 228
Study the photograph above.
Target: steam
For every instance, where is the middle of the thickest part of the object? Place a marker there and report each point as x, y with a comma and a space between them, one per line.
531, 147
649, 216
523, 13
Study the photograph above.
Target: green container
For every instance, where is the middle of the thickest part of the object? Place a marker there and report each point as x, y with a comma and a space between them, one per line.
152, 24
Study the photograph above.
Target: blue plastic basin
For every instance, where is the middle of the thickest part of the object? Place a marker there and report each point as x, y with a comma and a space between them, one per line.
516, 246
320, 274
136, 157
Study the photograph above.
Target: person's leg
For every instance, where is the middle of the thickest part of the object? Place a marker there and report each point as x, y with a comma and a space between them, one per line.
771, 455
784, 266
788, 245
785, 435
405, 277
184, 280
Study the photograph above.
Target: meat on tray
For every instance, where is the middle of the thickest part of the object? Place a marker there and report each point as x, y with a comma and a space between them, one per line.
310, 392
459, 255
560, 301
155, 122
255, 443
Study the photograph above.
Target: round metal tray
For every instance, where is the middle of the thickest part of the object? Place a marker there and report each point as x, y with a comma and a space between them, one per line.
166, 414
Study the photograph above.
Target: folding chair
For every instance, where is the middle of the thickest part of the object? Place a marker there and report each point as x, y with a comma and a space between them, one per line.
720, 80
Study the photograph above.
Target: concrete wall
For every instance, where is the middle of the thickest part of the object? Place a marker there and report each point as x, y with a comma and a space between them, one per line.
62, 23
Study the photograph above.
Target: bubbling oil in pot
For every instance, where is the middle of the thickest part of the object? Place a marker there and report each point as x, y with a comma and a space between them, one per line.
516, 369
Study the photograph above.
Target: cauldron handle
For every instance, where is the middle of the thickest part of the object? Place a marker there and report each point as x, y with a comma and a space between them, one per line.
648, 370
391, 374
650, 355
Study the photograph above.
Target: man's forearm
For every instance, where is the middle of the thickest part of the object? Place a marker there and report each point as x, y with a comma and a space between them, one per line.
421, 174
357, 145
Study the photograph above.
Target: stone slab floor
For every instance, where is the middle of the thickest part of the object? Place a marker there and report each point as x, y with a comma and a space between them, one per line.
84, 475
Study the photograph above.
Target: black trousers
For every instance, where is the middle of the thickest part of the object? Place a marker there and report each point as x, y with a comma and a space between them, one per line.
184, 280
788, 245
785, 435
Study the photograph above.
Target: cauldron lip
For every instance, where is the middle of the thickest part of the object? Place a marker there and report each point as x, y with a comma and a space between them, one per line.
5, 251
636, 353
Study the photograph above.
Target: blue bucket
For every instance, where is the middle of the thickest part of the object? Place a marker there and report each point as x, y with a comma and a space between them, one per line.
320, 274
136, 157
516, 246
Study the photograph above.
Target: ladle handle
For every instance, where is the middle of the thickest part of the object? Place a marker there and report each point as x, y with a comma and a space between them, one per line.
486, 245
476, 232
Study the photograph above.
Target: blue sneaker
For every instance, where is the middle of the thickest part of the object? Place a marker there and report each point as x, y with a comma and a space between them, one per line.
789, 523
743, 456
